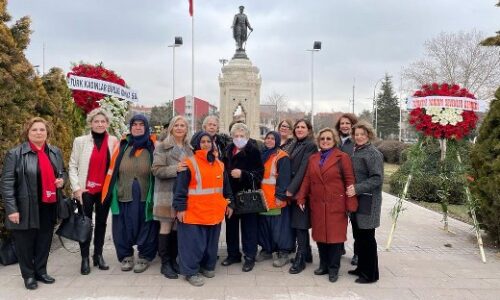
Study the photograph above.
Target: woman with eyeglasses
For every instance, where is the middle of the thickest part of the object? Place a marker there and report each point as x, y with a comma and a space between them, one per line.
329, 173
285, 130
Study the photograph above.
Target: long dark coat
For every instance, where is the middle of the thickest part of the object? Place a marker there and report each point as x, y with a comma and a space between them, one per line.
299, 155
20, 180
249, 162
326, 189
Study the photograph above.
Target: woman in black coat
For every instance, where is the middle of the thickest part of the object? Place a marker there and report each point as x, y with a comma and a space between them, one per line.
244, 165
32, 173
301, 150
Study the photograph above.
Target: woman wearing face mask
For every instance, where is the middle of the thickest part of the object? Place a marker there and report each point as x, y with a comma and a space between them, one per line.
329, 173
301, 150
88, 164
168, 160
200, 201
368, 165
245, 169
275, 233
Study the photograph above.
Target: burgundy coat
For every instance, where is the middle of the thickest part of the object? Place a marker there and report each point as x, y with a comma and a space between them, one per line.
326, 189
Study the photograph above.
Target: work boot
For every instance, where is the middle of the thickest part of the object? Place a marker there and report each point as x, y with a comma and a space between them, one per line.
195, 280
127, 263
281, 260
263, 255
141, 265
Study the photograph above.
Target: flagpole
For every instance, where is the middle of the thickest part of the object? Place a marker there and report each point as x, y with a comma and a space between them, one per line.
192, 73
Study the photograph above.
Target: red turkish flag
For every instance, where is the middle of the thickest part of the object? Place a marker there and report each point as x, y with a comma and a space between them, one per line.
191, 9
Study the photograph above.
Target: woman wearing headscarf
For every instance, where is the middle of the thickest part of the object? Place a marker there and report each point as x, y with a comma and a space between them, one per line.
129, 188
168, 160
32, 173
200, 200
275, 233
368, 165
329, 173
88, 164
302, 148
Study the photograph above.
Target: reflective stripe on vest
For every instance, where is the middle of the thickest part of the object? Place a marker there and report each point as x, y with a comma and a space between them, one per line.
272, 174
199, 190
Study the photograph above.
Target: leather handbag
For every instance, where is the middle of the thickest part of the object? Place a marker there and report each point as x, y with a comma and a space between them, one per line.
250, 201
77, 226
63, 206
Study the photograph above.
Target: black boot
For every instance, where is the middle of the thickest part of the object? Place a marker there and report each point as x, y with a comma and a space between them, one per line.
299, 264
164, 253
174, 251
99, 261
85, 268
308, 257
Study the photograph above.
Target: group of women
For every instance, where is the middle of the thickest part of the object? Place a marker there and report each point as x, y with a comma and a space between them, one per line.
170, 197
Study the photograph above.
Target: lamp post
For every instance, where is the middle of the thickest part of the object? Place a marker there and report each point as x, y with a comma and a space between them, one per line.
375, 107
316, 47
177, 43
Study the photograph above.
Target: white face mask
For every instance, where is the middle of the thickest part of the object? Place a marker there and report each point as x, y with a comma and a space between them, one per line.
240, 142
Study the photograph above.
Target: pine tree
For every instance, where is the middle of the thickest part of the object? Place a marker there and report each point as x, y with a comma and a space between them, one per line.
388, 110
485, 159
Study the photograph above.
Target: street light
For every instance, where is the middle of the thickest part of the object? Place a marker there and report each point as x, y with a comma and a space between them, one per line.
375, 107
316, 47
177, 43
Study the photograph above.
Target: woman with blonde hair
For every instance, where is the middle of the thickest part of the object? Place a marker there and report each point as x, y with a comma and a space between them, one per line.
168, 160
89, 161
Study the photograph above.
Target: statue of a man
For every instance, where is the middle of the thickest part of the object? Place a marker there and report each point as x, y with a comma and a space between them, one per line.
240, 24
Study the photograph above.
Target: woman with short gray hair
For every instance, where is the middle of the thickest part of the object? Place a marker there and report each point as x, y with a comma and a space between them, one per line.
244, 165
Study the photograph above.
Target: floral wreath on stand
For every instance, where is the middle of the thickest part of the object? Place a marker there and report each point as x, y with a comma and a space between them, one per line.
444, 121
448, 113
87, 101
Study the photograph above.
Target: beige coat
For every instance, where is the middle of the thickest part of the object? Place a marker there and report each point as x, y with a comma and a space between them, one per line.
165, 159
80, 159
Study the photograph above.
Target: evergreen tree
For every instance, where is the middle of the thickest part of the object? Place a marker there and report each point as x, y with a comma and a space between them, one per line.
485, 159
160, 115
387, 111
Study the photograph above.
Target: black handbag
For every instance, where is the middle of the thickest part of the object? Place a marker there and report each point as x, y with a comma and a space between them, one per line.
77, 226
7, 252
63, 206
250, 201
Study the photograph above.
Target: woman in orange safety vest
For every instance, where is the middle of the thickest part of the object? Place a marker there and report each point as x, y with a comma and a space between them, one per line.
200, 200
275, 232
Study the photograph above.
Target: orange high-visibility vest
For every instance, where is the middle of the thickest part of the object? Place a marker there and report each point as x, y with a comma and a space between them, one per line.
206, 204
269, 180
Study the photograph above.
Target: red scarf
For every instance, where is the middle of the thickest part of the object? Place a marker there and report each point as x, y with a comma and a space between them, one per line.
47, 175
97, 167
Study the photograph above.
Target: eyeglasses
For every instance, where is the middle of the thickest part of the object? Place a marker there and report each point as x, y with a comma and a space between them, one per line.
327, 138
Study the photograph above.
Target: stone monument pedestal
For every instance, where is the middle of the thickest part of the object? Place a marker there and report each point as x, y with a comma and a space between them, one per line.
239, 84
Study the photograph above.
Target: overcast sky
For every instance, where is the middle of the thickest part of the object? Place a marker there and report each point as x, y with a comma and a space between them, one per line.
361, 40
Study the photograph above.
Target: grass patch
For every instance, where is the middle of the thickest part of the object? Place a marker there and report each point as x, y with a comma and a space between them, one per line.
459, 212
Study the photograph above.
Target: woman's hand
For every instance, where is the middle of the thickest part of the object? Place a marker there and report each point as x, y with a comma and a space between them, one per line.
14, 218
59, 183
182, 166
236, 173
180, 216
78, 195
351, 191
288, 194
229, 212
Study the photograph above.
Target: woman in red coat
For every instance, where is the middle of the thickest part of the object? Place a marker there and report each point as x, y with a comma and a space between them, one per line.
329, 173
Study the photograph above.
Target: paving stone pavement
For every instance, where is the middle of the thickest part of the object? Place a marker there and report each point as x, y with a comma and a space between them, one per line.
419, 266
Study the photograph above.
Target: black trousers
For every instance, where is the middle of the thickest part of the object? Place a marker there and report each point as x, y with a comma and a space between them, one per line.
101, 216
33, 245
354, 223
303, 241
364, 241
329, 256
249, 235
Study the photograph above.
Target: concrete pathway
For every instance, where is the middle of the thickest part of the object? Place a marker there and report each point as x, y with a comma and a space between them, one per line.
424, 263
